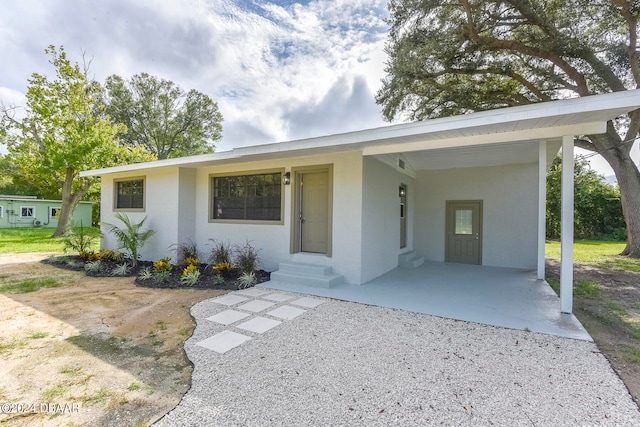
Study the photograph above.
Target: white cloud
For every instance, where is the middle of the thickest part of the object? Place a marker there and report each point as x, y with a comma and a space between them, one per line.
259, 60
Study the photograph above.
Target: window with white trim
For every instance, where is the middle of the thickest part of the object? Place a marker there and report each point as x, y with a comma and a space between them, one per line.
256, 197
27, 211
1, 211
55, 212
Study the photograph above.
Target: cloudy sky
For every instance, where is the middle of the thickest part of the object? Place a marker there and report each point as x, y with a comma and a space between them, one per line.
279, 70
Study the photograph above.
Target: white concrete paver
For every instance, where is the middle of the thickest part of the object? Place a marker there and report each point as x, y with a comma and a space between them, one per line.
253, 292
224, 341
259, 324
228, 317
246, 304
230, 299
256, 306
278, 297
286, 312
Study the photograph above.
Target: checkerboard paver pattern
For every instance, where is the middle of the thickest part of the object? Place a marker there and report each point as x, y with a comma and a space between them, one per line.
249, 313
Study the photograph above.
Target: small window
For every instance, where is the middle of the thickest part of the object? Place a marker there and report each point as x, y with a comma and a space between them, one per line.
27, 211
248, 197
464, 221
55, 213
1, 211
130, 194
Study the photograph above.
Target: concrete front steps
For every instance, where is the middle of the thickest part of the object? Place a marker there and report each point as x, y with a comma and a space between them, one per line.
321, 276
410, 260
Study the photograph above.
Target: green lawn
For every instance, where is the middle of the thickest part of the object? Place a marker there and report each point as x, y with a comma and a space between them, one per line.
597, 253
20, 240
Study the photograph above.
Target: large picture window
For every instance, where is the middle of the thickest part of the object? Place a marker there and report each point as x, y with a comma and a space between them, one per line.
130, 194
248, 197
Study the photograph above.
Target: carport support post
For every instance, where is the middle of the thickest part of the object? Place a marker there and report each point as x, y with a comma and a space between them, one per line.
566, 229
542, 205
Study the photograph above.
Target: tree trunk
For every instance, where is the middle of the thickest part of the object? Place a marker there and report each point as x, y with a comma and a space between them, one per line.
70, 200
628, 178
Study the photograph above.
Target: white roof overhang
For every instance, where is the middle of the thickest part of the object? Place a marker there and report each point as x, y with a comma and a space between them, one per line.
476, 139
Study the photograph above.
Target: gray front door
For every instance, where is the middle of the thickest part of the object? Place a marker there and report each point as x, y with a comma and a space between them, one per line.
464, 232
314, 211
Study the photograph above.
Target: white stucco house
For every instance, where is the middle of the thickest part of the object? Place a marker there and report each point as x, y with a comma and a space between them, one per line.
464, 189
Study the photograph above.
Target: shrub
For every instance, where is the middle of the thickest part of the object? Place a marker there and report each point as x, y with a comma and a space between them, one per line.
220, 253
121, 269
93, 266
190, 275
246, 280
187, 250
247, 258
145, 273
88, 256
79, 240
162, 276
224, 268
191, 261
218, 279
131, 237
163, 265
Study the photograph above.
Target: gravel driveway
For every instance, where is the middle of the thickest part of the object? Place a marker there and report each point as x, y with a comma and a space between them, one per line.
343, 363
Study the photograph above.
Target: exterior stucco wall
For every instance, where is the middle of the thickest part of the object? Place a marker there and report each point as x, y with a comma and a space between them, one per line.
161, 209
381, 217
509, 195
274, 240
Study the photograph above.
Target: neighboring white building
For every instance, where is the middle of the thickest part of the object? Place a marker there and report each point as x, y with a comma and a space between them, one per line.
465, 189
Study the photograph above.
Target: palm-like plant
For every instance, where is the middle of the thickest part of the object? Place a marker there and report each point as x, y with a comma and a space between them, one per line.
131, 237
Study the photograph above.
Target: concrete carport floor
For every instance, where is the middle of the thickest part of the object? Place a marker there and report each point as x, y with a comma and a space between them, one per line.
504, 297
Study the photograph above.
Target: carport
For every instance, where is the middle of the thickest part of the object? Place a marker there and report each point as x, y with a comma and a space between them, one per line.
504, 297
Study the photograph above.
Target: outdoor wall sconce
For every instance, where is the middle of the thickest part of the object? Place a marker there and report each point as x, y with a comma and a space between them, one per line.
287, 178
402, 191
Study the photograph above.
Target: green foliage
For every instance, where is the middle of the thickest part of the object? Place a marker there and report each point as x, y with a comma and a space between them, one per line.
597, 212
121, 269
190, 275
247, 280
132, 237
163, 265
21, 240
191, 261
587, 289
224, 268
145, 273
247, 258
29, 285
450, 57
94, 267
221, 252
188, 250
161, 117
79, 239
162, 276
64, 131
597, 253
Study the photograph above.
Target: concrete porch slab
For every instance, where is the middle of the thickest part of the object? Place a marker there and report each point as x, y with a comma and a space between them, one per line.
504, 297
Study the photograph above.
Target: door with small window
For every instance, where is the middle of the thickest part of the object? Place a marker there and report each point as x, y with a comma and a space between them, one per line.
464, 232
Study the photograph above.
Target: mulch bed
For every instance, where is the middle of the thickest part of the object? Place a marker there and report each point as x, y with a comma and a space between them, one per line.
207, 274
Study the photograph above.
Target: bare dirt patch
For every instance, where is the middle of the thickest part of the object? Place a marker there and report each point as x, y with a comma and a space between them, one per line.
611, 316
93, 351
